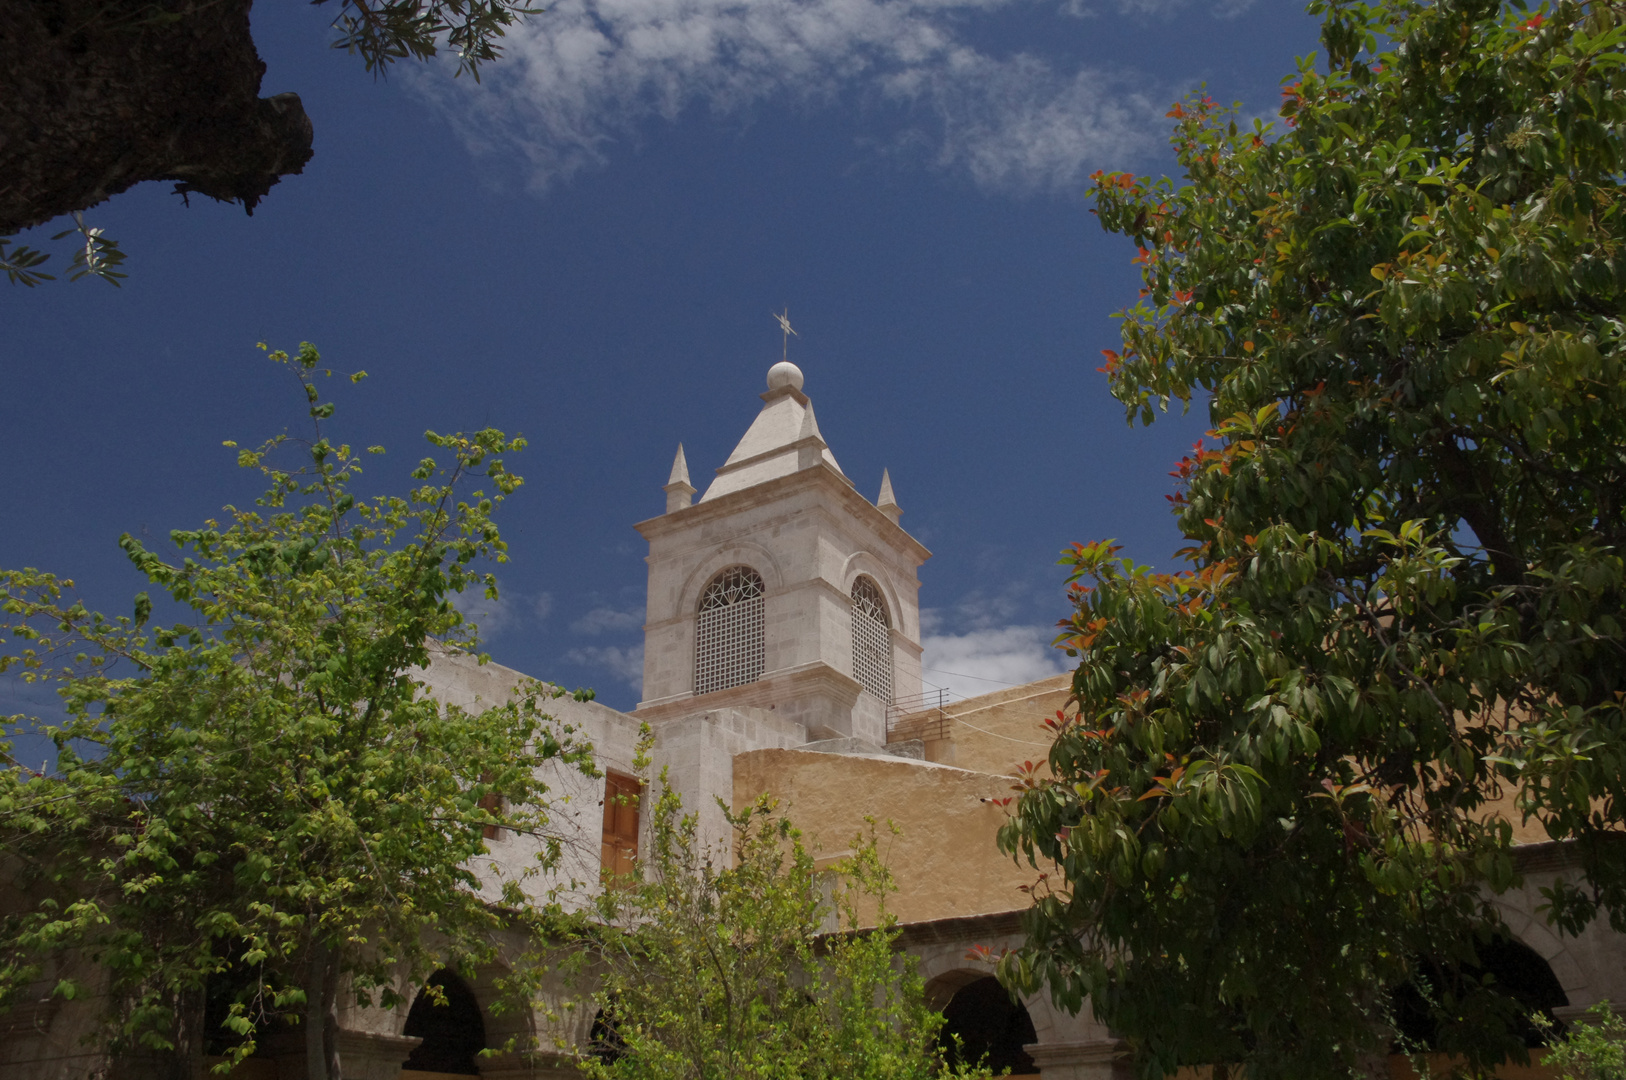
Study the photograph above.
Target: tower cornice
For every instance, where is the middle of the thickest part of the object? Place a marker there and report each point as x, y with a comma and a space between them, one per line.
781, 488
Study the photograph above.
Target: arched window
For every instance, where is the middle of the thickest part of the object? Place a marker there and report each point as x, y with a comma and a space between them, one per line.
872, 640
728, 636
453, 1034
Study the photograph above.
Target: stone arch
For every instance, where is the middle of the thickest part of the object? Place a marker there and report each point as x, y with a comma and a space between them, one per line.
516, 1023
863, 564
453, 1033
1528, 928
497, 1028
874, 652
730, 630
943, 969
739, 553
983, 1023
603, 1040
1520, 973
940, 989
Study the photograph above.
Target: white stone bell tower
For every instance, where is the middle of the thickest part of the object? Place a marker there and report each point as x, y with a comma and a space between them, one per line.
782, 589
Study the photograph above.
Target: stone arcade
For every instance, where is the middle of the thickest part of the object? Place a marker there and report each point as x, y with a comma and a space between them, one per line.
782, 655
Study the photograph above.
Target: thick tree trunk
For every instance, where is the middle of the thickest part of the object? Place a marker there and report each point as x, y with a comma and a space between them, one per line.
99, 95
189, 1037
321, 1014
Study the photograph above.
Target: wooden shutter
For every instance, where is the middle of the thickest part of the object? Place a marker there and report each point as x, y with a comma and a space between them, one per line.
620, 845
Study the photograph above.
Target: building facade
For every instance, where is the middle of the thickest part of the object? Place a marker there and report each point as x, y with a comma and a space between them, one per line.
783, 656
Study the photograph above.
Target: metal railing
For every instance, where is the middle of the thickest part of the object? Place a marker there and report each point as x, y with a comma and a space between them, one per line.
919, 716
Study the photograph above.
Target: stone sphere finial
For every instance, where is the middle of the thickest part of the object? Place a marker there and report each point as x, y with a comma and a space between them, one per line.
784, 374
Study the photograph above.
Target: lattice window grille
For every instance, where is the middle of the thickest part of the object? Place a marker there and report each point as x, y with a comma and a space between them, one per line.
872, 640
728, 638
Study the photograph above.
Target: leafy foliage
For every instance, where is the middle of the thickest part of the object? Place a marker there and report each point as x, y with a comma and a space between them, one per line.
99, 256
383, 31
765, 968
379, 31
264, 796
1295, 768
1593, 1049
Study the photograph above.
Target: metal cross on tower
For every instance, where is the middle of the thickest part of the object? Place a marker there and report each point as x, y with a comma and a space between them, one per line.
784, 324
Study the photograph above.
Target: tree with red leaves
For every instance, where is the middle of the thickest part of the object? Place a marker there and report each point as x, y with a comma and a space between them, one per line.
1292, 773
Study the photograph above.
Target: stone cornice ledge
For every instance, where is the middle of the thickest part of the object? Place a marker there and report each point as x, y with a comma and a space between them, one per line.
772, 688
773, 490
1093, 1052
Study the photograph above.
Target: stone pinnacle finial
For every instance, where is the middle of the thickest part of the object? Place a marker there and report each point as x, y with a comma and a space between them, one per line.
679, 492
810, 444
887, 503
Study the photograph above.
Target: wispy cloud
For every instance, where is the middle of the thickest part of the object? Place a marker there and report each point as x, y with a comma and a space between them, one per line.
604, 620
493, 617
984, 661
625, 664
585, 75
1222, 9
980, 609
984, 642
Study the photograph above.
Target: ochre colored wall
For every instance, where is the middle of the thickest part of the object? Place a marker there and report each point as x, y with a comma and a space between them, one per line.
996, 733
944, 860
992, 733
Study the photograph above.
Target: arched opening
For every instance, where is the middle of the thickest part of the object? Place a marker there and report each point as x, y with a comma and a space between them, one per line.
1450, 1006
453, 1033
236, 982
991, 1029
604, 1042
728, 648
872, 639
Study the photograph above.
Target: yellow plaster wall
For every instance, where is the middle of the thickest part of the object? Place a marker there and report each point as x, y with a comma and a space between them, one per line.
992, 733
944, 860
996, 732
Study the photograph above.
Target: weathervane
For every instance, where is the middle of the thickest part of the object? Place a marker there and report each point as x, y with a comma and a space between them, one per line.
784, 324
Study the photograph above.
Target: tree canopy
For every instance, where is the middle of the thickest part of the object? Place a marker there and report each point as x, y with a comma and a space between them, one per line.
263, 796
96, 97
747, 963
1291, 778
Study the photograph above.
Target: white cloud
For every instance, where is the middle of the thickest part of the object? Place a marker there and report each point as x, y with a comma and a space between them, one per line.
543, 605
625, 664
604, 620
583, 76
1220, 9
988, 660
491, 616
976, 610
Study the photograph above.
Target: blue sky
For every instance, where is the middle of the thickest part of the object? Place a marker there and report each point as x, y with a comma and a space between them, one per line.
586, 247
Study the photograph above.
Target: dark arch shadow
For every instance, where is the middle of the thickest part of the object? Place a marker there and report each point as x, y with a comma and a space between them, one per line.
235, 982
604, 1042
1455, 1005
992, 1029
453, 1034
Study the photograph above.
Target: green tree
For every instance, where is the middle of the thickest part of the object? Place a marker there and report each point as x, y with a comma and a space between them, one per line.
264, 796
751, 965
1592, 1049
105, 94
1293, 768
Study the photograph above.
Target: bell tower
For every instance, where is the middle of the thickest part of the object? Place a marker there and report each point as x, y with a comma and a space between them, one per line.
783, 588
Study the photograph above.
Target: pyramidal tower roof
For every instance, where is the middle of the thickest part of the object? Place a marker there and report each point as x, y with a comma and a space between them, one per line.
783, 439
